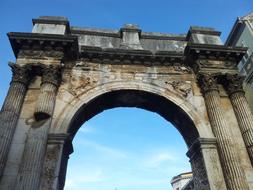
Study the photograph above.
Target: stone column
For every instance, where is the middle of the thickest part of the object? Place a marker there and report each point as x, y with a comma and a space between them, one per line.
59, 147
31, 168
233, 86
11, 109
206, 168
48, 89
232, 170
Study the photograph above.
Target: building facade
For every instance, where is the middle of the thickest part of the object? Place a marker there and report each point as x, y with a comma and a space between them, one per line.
242, 35
182, 181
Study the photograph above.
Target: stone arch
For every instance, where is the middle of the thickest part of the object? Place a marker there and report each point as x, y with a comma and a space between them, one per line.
141, 71
83, 102
169, 104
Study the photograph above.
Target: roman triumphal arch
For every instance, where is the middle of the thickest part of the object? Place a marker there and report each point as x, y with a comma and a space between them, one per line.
65, 75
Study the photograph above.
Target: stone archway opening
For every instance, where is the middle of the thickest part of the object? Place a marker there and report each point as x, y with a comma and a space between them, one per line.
192, 81
126, 148
139, 99
136, 99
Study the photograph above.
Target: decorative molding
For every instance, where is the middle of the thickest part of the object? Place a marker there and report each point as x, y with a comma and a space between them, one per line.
57, 138
147, 35
49, 42
217, 52
201, 143
82, 83
50, 21
217, 64
94, 32
138, 57
40, 54
183, 69
182, 87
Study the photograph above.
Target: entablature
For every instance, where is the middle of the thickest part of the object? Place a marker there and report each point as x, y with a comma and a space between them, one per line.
208, 58
53, 37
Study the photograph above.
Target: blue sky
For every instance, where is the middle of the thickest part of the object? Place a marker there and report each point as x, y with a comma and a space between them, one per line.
113, 151
126, 148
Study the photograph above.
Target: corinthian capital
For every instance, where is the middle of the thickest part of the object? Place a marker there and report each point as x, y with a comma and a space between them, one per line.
21, 74
207, 82
51, 74
232, 83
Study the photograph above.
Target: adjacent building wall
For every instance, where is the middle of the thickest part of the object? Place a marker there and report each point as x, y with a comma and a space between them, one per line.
242, 35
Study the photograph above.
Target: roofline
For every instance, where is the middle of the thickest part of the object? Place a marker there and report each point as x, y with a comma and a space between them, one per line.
176, 178
117, 34
233, 32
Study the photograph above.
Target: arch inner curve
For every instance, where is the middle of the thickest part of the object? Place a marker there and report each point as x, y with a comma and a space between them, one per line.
139, 99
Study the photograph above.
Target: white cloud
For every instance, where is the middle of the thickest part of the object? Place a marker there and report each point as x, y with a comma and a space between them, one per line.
91, 177
140, 169
105, 150
70, 183
87, 129
78, 178
158, 158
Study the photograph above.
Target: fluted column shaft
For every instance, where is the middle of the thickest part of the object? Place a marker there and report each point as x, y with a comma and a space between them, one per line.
233, 86
31, 168
45, 102
233, 172
11, 108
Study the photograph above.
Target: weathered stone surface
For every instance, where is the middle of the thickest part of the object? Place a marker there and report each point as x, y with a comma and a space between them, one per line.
234, 174
233, 85
50, 25
30, 171
11, 108
51, 77
103, 69
207, 173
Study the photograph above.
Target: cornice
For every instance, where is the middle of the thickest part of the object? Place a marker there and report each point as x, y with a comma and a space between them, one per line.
143, 35
208, 32
201, 143
34, 41
219, 52
94, 33
118, 56
54, 138
157, 37
50, 21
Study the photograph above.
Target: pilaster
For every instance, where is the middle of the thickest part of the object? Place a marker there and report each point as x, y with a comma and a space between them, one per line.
207, 173
59, 147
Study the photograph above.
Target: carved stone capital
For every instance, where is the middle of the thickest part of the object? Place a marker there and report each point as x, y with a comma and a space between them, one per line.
51, 74
21, 74
232, 83
207, 82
